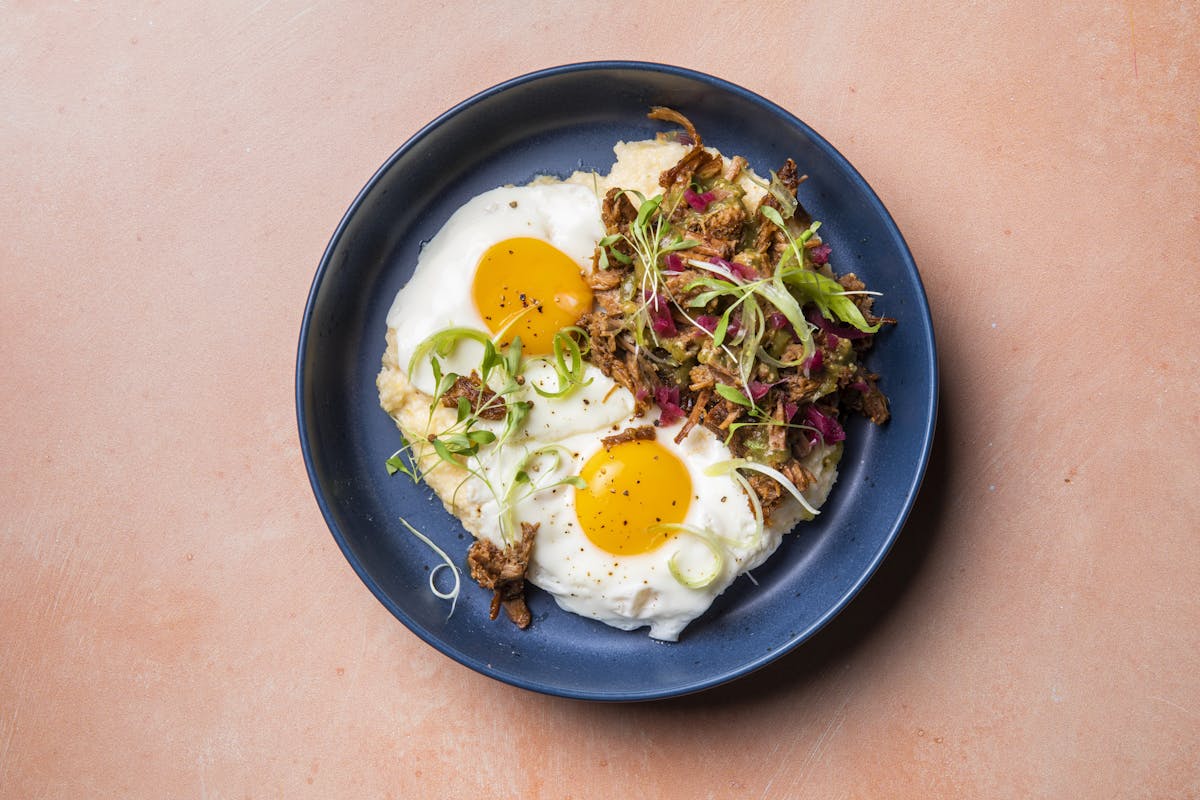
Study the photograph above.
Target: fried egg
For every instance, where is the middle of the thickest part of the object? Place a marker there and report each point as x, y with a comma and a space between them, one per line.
659, 529
511, 259
620, 551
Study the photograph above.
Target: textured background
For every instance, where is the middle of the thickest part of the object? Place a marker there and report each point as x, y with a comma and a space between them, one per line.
176, 620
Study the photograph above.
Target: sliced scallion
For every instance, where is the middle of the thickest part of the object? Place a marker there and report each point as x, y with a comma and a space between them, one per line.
677, 572
723, 467
451, 595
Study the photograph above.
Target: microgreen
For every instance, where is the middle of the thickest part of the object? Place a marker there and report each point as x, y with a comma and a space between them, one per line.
733, 395
786, 200
604, 245
546, 461
567, 361
827, 294
651, 237
753, 321
499, 372
404, 462
442, 344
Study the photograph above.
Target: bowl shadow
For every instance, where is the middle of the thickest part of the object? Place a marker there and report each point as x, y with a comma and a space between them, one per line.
867, 612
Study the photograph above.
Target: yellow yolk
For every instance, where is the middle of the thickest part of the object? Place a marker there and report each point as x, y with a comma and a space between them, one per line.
533, 283
631, 487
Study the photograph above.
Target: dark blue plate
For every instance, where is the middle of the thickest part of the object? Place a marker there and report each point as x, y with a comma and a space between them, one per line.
553, 122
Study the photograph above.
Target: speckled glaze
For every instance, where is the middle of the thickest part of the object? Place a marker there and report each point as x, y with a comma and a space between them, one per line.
177, 620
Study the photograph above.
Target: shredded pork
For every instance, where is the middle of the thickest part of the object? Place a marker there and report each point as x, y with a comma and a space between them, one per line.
503, 571
794, 406
641, 433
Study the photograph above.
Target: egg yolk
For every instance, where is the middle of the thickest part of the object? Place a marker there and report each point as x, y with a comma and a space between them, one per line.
533, 287
630, 488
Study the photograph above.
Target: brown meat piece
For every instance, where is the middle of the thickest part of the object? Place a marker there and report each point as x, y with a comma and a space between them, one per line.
639, 434
800, 477
664, 114
789, 175
872, 320
769, 240
622, 364
725, 224
609, 300
705, 376
698, 412
732, 412
872, 403
484, 402
503, 571
600, 325
602, 332
769, 492
734, 170
714, 417
702, 377
875, 405
777, 434
617, 210
639, 378
800, 389
851, 283
602, 279
792, 353
678, 282
680, 175
697, 162
708, 246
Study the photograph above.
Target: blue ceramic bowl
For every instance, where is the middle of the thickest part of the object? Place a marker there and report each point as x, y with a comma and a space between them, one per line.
554, 122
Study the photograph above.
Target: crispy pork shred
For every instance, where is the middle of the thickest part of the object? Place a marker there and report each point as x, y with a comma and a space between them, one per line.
503, 571
642, 433
483, 400
680, 332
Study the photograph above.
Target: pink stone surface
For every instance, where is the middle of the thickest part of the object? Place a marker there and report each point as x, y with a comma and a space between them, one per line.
176, 620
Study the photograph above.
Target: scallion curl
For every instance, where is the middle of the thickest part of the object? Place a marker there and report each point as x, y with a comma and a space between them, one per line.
567, 361
725, 467
707, 540
452, 595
